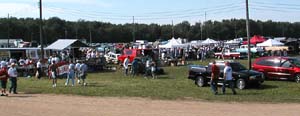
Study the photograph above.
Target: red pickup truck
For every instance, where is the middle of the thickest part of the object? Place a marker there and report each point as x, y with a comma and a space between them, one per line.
227, 53
133, 53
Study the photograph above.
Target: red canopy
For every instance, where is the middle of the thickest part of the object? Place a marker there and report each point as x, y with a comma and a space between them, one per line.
255, 39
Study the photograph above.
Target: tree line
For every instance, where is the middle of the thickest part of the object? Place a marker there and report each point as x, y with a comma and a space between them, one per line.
55, 28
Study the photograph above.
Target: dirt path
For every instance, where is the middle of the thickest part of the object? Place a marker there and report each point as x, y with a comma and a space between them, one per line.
62, 105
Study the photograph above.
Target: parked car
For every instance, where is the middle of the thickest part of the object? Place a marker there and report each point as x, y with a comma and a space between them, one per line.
243, 77
253, 49
282, 68
112, 57
232, 54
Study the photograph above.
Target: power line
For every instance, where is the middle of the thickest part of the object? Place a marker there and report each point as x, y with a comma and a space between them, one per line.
85, 15
189, 10
195, 15
275, 7
277, 4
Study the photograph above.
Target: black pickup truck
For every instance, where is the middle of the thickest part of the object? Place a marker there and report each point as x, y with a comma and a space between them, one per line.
242, 76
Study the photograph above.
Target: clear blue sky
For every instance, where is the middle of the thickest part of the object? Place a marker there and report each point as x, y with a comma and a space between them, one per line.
153, 11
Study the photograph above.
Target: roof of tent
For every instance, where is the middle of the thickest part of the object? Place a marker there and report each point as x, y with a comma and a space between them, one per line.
61, 44
256, 39
271, 42
209, 41
172, 43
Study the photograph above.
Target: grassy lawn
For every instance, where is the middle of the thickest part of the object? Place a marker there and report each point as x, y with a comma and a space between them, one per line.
172, 86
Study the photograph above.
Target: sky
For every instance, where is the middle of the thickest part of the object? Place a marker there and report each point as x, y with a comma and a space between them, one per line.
153, 11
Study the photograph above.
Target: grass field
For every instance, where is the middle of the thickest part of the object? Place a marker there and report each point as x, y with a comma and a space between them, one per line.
172, 86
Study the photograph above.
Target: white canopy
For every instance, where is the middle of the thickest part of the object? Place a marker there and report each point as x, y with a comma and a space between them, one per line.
172, 43
65, 43
270, 42
209, 41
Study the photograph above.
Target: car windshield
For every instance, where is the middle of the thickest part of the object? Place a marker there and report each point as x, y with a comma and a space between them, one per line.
295, 62
237, 67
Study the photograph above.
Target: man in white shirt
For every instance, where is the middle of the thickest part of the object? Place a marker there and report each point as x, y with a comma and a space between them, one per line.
77, 71
228, 79
39, 69
125, 65
147, 67
13, 74
71, 74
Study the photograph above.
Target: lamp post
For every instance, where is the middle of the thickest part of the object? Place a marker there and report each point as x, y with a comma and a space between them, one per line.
41, 31
248, 34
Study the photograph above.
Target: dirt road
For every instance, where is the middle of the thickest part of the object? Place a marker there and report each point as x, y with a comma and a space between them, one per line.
62, 105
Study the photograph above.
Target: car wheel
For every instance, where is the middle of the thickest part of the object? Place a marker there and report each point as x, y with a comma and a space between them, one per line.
200, 82
297, 78
241, 84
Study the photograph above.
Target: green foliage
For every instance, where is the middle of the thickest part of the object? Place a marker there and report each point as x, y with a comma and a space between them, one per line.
172, 86
55, 28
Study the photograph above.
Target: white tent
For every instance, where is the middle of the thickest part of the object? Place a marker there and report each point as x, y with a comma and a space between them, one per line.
172, 43
61, 44
209, 41
270, 42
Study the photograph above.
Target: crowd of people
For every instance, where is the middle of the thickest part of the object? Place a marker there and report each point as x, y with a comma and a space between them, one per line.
9, 71
78, 70
150, 67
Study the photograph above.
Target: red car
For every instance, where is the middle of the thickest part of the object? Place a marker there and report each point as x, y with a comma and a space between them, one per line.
283, 68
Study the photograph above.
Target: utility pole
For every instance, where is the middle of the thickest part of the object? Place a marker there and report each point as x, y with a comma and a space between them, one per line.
201, 30
235, 29
90, 30
248, 34
41, 31
205, 22
173, 32
8, 30
76, 36
66, 33
133, 30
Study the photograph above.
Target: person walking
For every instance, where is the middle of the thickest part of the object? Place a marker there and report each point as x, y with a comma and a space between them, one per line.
228, 79
134, 68
153, 70
39, 69
147, 68
71, 74
53, 73
83, 73
13, 74
125, 65
214, 78
3, 78
77, 71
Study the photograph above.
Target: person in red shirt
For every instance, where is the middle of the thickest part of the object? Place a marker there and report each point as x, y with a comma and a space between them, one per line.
215, 72
3, 78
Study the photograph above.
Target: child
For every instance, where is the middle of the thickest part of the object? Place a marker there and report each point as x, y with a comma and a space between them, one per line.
53, 71
153, 69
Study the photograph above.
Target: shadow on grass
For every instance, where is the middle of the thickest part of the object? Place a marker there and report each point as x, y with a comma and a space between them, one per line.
21, 96
95, 85
262, 87
165, 77
102, 71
